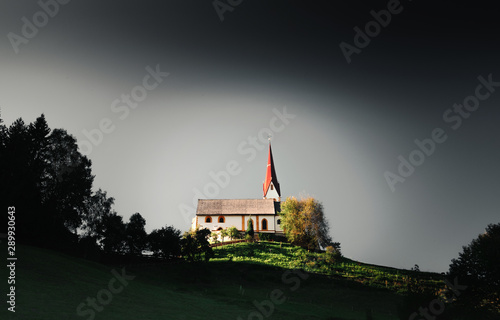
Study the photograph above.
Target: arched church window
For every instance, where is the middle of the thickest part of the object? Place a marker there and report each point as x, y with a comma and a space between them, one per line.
264, 224
221, 219
279, 221
208, 219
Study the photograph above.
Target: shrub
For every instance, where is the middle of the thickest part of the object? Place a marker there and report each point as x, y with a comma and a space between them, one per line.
333, 254
224, 233
233, 233
195, 246
215, 237
266, 236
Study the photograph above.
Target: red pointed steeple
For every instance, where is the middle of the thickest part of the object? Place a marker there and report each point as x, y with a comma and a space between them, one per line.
271, 181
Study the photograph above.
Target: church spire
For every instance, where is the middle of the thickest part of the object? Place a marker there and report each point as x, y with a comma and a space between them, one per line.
271, 184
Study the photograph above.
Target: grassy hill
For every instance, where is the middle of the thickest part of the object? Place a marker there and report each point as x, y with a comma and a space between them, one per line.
241, 280
292, 257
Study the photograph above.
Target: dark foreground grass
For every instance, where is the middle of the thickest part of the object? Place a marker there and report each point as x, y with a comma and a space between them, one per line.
51, 285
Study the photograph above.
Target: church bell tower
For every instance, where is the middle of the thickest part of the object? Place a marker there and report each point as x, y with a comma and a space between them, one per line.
271, 185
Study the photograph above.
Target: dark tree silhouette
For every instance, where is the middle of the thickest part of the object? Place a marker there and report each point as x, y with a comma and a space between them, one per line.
478, 268
48, 199
195, 245
4, 200
97, 207
165, 242
114, 234
49, 181
136, 234
69, 180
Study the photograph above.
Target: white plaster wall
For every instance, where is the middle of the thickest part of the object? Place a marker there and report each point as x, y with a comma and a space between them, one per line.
271, 222
235, 221
230, 221
278, 227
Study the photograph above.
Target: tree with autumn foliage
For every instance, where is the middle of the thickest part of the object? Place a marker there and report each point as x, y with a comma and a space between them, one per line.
304, 223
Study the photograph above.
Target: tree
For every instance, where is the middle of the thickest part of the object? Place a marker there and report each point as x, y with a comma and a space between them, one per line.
136, 234
38, 133
3, 134
44, 175
478, 267
233, 233
165, 242
17, 184
97, 207
67, 181
250, 232
304, 223
223, 234
195, 245
3, 141
114, 233
215, 237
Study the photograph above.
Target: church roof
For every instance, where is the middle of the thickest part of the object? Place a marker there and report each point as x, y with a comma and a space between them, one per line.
271, 174
236, 206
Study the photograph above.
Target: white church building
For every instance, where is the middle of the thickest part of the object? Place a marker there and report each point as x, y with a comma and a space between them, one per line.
218, 214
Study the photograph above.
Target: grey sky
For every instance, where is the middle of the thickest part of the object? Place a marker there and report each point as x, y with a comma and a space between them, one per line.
352, 120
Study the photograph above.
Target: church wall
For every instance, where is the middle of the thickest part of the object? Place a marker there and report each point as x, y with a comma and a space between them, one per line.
257, 222
229, 221
240, 222
278, 226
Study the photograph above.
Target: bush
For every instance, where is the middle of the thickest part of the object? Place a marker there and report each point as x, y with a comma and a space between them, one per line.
233, 233
249, 238
195, 246
333, 254
214, 236
266, 236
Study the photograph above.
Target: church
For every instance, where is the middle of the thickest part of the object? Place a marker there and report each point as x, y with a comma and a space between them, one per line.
218, 214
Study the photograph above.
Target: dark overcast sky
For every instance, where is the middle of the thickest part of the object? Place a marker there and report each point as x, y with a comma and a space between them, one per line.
352, 120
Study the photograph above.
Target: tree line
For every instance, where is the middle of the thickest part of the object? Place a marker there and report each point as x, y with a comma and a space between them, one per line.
47, 179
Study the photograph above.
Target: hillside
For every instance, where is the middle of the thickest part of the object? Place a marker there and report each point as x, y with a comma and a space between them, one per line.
292, 257
51, 285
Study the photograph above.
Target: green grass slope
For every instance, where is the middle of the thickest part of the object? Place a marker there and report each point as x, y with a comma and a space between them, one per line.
291, 257
238, 284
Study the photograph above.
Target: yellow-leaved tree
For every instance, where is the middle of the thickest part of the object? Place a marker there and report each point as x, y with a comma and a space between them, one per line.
304, 223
